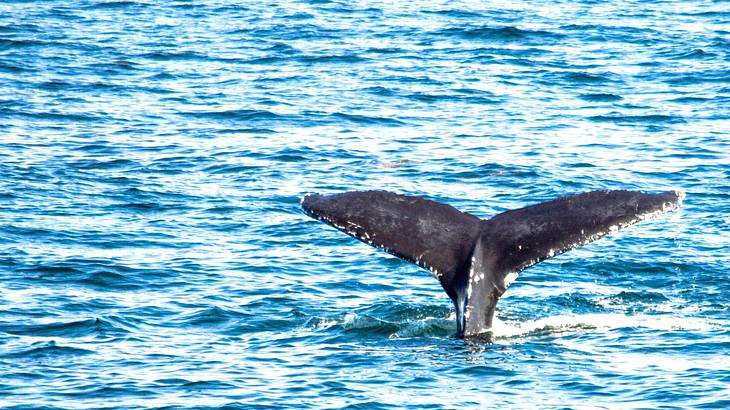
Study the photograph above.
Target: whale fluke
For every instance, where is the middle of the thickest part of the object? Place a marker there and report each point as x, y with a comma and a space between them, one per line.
476, 260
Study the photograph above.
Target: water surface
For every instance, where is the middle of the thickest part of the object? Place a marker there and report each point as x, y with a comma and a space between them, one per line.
153, 154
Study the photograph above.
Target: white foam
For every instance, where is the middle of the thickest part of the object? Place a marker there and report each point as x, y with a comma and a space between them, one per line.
599, 321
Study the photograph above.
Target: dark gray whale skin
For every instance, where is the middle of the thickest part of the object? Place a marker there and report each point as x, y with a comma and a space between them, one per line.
476, 260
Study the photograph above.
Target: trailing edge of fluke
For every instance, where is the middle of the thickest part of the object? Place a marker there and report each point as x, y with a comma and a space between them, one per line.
476, 259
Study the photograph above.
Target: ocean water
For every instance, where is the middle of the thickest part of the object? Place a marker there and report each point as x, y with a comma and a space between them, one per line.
153, 253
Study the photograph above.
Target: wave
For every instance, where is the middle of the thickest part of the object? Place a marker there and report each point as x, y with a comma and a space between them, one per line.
73, 329
175, 56
338, 59
690, 99
366, 119
506, 33
695, 54
193, 384
20, 28
459, 13
587, 78
641, 297
116, 4
710, 76
15, 68
601, 97
468, 99
45, 350
387, 50
104, 164
291, 32
10, 44
93, 273
237, 115
54, 115
211, 316
619, 118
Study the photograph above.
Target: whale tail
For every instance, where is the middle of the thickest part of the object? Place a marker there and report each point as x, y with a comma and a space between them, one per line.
476, 260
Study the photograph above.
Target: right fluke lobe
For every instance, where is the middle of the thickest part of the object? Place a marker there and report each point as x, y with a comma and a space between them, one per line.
526, 236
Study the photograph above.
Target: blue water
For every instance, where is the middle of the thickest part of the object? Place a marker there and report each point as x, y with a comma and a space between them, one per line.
153, 154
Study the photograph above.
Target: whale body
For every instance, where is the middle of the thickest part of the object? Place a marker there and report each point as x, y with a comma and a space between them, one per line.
476, 259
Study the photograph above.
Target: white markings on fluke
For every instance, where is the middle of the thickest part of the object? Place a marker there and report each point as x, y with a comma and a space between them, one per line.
435, 273
509, 278
471, 281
